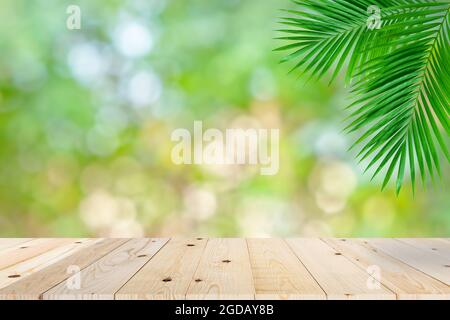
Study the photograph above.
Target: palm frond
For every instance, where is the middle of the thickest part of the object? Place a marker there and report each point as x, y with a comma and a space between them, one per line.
405, 96
325, 33
400, 77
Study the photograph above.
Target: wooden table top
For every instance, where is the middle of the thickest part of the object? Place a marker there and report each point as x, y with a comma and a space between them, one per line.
201, 268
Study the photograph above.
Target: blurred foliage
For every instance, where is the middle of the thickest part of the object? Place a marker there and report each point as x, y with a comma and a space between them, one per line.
86, 117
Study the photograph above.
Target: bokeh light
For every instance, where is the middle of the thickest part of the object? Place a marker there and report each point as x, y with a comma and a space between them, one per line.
86, 118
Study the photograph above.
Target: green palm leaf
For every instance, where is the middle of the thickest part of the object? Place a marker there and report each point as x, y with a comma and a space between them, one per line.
400, 77
326, 33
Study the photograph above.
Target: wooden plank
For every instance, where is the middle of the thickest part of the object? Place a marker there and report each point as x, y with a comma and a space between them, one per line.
24, 251
33, 286
438, 246
227, 268
338, 277
102, 279
430, 263
10, 242
278, 273
406, 282
224, 272
168, 274
26, 268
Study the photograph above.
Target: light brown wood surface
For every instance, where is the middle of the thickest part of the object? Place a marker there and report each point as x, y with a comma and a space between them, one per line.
168, 275
35, 284
439, 246
433, 264
27, 267
9, 242
102, 279
338, 276
278, 273
201, 268
405, 281
224, 272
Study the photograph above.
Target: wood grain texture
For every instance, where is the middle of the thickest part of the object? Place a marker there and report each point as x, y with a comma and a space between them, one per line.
24, 251
201, 268
9, 242
405, 281
26, 268
169, 274
102, 279
224, 272
278, 273
33, 286
338, 277
429, 263
439, 246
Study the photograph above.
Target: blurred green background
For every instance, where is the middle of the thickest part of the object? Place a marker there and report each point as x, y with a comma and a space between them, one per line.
86, 117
